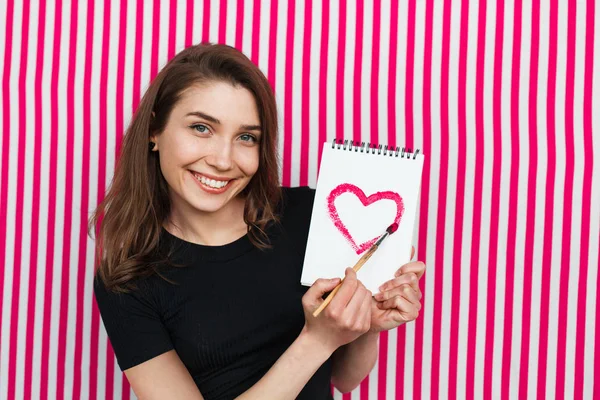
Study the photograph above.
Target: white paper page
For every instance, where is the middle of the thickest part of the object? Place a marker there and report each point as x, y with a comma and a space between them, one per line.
346, 180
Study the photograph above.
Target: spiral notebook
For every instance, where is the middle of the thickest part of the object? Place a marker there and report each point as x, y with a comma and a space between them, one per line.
361, 190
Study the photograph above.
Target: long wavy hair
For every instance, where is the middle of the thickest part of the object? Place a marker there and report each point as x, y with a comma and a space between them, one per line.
129, 219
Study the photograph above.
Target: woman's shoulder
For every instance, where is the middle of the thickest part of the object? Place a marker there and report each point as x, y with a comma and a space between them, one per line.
298, 195
297, 200
296, 212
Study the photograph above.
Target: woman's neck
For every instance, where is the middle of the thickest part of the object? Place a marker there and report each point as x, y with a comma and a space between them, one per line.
211, 229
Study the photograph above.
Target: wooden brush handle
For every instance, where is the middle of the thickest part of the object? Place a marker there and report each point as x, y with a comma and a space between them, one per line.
356, 267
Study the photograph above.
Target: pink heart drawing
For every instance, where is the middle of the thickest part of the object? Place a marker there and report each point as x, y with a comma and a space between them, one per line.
349, 188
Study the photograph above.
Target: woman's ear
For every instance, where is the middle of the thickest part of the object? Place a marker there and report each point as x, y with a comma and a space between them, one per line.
153, 143
153, 139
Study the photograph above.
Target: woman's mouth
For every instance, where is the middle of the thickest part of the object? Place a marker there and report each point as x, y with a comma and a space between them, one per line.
211, 185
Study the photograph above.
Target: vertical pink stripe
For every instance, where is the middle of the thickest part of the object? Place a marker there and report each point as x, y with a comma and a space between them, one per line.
460, 202
339, 88
288, 95
382, 365
512, 204
441, 211
424, 206
68, 206
565, 264
374, 112
189, 22
137, 55
358, 45
8, 31
392, 71
410, 69
273, 43
206, 21
596, 380
477, 192
84, 205
586, 200
35, 209
51, 205
549, 206
305, 125
172, 29
495, 209
102, 150
121, 67
222, 21
14, 315
255, 32
239, 26
531, 200
323, 78
155, 38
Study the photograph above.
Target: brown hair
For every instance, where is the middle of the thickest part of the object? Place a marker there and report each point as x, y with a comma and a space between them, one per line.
130, 217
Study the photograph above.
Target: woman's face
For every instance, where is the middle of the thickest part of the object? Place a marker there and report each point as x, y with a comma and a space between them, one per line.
209, 149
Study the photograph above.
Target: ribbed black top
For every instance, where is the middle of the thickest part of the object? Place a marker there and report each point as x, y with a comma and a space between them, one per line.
234, 310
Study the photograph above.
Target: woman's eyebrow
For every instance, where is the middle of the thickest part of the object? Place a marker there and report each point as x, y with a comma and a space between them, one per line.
216, 121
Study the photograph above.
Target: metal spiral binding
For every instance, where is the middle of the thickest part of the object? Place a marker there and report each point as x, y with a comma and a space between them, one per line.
349, 145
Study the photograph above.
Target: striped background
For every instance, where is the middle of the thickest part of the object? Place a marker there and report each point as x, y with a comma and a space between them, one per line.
502, 97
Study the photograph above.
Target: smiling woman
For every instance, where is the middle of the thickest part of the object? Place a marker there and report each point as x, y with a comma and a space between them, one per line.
209, 157
200, 251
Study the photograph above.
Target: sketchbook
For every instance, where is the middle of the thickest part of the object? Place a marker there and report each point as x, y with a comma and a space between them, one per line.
361, 190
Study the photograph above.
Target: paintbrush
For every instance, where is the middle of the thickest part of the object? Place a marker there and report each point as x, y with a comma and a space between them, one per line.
390, 229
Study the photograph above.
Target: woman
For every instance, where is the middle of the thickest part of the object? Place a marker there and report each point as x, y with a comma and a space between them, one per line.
200, 251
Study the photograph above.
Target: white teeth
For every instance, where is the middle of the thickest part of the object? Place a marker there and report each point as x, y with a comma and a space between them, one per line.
211, 182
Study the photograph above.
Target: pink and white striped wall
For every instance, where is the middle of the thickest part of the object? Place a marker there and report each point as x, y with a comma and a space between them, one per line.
502, 97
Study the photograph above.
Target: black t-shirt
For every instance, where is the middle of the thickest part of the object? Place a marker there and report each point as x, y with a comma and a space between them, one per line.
233, 313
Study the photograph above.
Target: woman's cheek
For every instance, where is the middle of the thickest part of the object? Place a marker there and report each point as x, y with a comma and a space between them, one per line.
247, 160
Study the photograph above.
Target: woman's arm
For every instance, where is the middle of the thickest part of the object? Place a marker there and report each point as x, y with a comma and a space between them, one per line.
165, 376
354, 361
288, 376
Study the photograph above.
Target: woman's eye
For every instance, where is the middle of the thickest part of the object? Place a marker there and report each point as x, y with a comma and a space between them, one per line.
204, 128
246, 137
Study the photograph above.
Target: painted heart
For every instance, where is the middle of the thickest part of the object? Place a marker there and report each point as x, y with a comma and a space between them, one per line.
375, 197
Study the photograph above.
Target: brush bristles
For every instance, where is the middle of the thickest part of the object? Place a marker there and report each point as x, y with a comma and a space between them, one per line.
392, 228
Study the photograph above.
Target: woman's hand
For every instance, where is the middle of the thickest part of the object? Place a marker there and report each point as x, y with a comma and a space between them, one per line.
399, 300
346, 318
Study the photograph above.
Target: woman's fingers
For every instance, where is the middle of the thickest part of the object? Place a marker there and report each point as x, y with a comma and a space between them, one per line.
405, 291
407, 311
360, 296
347, 289
417, 267
409, 278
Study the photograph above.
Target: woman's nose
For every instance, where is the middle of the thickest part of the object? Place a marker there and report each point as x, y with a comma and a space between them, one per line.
221, 156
